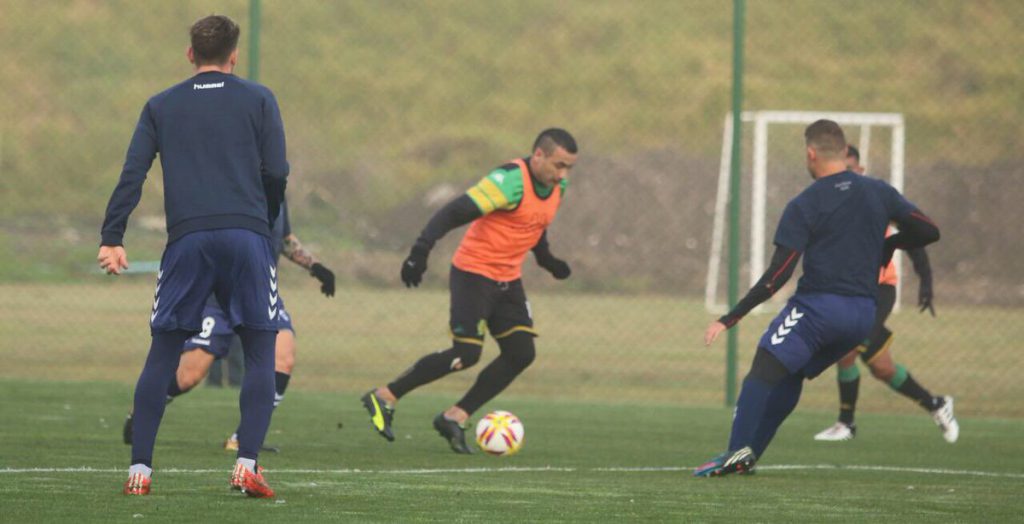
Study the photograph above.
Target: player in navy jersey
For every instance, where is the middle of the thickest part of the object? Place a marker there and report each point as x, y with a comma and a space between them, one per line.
213, 341
838, 225
222, 149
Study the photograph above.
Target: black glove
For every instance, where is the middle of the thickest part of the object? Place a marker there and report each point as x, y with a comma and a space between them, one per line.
556, 266
414, 266
924, 297
326, 278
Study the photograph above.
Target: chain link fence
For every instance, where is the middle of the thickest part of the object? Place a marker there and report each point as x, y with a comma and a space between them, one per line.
393, 108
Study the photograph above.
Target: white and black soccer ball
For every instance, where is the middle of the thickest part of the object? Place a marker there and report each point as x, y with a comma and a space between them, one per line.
500, 433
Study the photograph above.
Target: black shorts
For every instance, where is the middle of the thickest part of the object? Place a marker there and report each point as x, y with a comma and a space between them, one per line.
880, 337
478, 302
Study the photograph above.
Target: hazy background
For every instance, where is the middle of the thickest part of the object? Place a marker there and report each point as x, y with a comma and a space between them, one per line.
392, 108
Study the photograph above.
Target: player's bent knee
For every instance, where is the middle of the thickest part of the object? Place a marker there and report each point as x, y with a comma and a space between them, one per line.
883, 371
850, 359
284, 365
465, 355
188, 379
518, 349
192, 368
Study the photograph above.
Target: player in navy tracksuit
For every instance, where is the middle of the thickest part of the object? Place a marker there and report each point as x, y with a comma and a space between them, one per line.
838, 224
222, 149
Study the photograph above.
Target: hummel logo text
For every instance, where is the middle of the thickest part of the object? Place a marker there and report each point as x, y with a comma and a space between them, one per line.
217, 85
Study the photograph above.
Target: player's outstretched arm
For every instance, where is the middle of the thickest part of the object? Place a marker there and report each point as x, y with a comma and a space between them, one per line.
456, 213
293, 250
778, 273
554, 265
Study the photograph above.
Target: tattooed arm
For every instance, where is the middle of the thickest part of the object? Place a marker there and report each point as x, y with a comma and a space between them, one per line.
296, 253
293, 249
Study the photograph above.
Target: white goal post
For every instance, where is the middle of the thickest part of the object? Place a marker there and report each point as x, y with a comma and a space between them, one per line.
759, 182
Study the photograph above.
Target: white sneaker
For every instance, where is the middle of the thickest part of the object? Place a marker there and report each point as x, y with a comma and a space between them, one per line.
944, 418
837, 432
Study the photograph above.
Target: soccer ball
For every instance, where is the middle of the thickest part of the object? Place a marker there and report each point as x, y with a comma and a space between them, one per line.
500, 433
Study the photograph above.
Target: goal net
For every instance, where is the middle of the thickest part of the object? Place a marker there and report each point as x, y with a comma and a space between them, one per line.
762, 200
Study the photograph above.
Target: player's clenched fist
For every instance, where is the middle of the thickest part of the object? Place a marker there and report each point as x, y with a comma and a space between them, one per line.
325, 276
414, 266
112, 259
556, 266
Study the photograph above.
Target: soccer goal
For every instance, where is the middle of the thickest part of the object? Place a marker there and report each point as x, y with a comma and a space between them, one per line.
757, 178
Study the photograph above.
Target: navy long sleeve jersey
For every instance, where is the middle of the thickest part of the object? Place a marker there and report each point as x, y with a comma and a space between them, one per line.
839, 223
218, 137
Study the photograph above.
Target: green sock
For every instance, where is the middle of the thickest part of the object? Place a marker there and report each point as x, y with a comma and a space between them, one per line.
899, 377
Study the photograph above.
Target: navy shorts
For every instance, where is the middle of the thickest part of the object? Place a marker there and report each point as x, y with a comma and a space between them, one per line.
813, 331
215, 337
235, 265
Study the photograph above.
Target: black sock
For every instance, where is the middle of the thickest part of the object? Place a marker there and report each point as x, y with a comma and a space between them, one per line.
908, 387
492, 380
914, 391
848, 392
517, 353
436, 365
280, 385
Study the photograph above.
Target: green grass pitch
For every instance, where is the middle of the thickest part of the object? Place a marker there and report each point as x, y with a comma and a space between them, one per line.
63, 460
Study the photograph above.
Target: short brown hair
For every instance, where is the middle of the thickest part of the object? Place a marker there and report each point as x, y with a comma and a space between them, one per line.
553, 137
827, 138
213, 39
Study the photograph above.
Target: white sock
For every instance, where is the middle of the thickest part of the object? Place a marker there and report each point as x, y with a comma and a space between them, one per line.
249, 464
140, 468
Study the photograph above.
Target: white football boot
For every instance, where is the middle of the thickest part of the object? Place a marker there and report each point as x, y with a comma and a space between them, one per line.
837, 432
944, 418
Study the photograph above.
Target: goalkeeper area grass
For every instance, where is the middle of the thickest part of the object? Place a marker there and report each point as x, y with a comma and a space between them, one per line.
62, 459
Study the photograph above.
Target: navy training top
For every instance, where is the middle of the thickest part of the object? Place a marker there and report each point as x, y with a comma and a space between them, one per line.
218, 136
839, 223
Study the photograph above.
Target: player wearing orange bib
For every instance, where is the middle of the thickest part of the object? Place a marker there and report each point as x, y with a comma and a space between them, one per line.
510, 210
876, 354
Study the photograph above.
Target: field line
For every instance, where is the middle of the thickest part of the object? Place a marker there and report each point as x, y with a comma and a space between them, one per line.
515, 469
